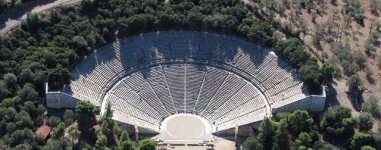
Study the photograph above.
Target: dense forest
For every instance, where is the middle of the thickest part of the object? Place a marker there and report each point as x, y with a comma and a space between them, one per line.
46, 46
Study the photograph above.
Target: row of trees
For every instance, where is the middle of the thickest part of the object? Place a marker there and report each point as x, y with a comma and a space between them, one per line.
300, 130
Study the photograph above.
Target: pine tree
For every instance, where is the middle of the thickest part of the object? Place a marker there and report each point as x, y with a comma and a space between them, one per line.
282, 138
267, 133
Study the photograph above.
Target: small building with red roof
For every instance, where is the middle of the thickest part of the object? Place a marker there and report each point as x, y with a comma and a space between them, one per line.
44, 131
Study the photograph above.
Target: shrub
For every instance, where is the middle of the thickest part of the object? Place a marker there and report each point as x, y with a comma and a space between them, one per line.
359, 58
368, 72
349, 68
371, 106
365, 122
354, 82
374, 6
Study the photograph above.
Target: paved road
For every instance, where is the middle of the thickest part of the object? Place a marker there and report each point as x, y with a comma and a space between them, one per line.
13, 17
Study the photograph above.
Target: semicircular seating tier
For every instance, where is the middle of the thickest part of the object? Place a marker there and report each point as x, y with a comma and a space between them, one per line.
228, 81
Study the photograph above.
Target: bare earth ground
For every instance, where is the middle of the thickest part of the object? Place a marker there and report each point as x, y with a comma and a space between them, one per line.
222, 144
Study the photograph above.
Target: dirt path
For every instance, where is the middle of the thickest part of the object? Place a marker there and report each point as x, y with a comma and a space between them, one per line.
13, 17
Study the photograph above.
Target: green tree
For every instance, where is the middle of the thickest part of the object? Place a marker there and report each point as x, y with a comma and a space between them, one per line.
33, 20
299, 121
74, 134
303, 140
125, 142
81, 46
365, 122
282, 138
101, 142
58, 77
30, 108
53, 144
360, 139
108, 126
41, 109
59, 131
53, 121
86, 4
328, 72
256, 30
252, 143
126, 145
10, 81
124, 136
354, 82
337, 123
310, 73
266, 133
8, 102
27, 93
85, 115
26, 75
68, 117
20, 136
3, 90
23, 120
147, 145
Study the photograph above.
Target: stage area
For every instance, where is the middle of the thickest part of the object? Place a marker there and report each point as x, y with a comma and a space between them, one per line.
185, 127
